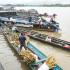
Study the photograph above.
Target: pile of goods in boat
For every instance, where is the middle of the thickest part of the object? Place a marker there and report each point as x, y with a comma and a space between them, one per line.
48, 64
13, 39
28, 56
51, 62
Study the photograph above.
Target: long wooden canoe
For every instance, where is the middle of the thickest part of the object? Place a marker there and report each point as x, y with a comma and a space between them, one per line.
42, 57
50, 40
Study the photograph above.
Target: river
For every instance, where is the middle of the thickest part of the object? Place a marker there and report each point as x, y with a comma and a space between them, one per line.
63, 18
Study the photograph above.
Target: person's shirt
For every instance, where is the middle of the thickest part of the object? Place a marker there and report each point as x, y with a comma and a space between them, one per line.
22, 39
44, 67
48, 39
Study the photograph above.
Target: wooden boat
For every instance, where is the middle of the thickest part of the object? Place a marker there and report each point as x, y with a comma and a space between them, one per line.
48, 26
50, 40
42, 57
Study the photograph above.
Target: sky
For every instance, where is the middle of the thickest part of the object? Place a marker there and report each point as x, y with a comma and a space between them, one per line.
34, 1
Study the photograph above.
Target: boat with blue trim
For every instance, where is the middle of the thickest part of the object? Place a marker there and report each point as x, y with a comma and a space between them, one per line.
42, 57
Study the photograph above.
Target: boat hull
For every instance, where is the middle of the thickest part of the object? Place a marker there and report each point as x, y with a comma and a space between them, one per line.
41, 56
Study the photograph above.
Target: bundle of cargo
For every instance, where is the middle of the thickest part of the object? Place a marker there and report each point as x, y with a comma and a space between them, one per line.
28, 56
49, 64
13, 39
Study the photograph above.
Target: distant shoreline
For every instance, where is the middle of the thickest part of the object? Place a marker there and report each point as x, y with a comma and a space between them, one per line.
52, 5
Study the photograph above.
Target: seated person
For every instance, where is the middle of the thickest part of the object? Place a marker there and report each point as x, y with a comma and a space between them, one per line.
48, 39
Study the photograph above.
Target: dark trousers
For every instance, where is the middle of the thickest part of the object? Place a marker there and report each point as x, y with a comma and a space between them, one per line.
23, 45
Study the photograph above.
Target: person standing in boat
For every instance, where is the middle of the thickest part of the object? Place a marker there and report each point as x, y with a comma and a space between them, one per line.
22, 40
30, 19
40, 22
52, 19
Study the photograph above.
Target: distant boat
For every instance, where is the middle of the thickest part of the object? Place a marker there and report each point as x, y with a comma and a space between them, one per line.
48, 26
50, 40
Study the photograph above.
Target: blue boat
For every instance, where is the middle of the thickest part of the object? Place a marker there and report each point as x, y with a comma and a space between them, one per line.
42, 57
48, 26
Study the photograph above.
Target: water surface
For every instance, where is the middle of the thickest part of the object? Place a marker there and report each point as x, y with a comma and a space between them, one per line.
63, 17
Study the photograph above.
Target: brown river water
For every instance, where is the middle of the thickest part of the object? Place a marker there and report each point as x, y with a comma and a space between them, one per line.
63, 17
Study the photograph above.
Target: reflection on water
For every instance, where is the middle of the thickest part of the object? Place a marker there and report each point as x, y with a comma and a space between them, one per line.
7, 57
62, 57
